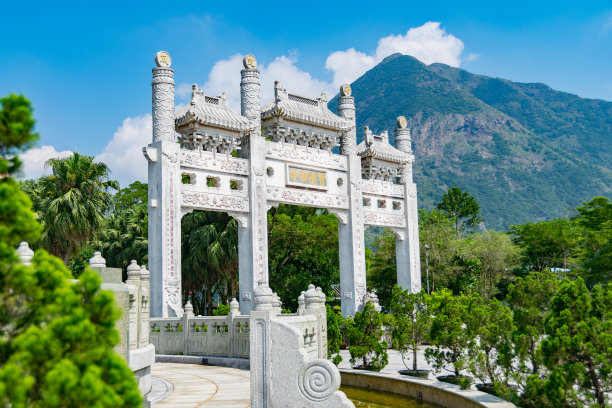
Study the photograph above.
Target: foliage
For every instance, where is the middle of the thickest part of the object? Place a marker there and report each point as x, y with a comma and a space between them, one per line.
439, 244
452, 330
125, 233
16, 131
334, 336
78, 264
365, 336
58, 336
411, 322
382, 270
578, 348
547, 244
209, 254
71, 203
221, 310
461, 207
302, 249
529, 299
488, 356
497, 258
595, 218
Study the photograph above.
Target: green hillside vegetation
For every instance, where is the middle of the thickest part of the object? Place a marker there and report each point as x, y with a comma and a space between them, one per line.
530, 152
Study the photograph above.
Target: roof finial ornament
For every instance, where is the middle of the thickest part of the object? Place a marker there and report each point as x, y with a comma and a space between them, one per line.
249, 61
162, 59
345, 90
402, 122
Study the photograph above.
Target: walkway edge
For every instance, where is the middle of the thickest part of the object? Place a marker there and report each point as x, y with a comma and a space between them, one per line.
444, 394
239, 363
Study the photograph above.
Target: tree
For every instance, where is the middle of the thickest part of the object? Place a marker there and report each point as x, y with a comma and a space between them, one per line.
578, 348
334, 335
209, 252
437, 232
302, 249
547, 244
411, 322
498, 257
125, 233
56, 348
529, 299
461, 207
16, 131
451, 331
494, 330
72, 203
382, 270
365, 336
595, 218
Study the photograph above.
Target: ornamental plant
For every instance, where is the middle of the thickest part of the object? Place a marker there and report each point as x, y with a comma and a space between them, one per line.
451, 331
411, 323
365, 337
334, 336
489, 353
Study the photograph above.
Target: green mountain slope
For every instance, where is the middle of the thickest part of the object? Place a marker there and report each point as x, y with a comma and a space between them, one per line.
525, 151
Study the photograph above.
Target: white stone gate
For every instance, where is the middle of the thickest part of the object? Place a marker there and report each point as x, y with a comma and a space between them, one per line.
292, 162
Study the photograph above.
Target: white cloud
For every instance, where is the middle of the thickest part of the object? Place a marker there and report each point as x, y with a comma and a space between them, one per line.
225, 77
428, 43
123, 154
34, 160
472, 57
348, 65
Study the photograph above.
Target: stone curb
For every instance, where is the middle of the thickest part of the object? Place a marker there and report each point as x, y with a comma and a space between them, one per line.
437, 392
239, 363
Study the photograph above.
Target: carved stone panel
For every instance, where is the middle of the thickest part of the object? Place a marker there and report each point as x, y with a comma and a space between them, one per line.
214, 202
384, 220
307, 198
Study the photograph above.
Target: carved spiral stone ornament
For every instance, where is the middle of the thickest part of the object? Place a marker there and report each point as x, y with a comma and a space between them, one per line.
318, 379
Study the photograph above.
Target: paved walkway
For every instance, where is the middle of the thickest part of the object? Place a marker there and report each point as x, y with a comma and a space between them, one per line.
203, 386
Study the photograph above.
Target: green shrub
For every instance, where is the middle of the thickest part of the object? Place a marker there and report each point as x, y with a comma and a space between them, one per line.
365, 334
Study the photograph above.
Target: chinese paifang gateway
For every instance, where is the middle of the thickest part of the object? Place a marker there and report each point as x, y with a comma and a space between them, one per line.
292, 162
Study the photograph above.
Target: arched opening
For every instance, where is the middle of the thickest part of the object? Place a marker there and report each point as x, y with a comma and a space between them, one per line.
381, 265
302, 249
209, 259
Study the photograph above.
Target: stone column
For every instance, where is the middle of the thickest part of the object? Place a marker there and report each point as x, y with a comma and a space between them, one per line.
407, 252
145, 327
253, 240
164, 196
261, 346
133, 284
351, 235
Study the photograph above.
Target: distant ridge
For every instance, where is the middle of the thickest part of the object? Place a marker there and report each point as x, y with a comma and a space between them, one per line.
525, 151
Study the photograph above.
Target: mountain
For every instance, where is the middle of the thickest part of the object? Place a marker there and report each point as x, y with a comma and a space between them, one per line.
525, 151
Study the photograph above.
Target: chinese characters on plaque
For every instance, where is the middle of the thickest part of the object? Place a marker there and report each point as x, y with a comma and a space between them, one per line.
307, 178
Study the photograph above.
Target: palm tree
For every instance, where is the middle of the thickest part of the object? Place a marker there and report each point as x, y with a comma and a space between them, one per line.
125, 236
73, 202
209, 254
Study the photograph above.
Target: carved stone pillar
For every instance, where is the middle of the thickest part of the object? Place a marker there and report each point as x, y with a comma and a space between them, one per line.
253, 239
133, 284
351, 235
164, 196
407, 251
145, 327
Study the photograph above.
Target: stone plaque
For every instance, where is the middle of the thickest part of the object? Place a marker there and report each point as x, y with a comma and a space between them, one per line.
302, 177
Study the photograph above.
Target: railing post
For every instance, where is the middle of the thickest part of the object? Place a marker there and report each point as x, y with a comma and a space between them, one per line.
186, 330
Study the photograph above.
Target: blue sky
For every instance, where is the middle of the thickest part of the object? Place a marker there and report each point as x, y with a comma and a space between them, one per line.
86, 66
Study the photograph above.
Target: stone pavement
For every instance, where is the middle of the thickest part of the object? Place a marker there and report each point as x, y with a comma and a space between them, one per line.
201, 386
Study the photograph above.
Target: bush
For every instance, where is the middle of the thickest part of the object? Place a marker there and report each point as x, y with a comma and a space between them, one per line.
365, 336
221, 310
